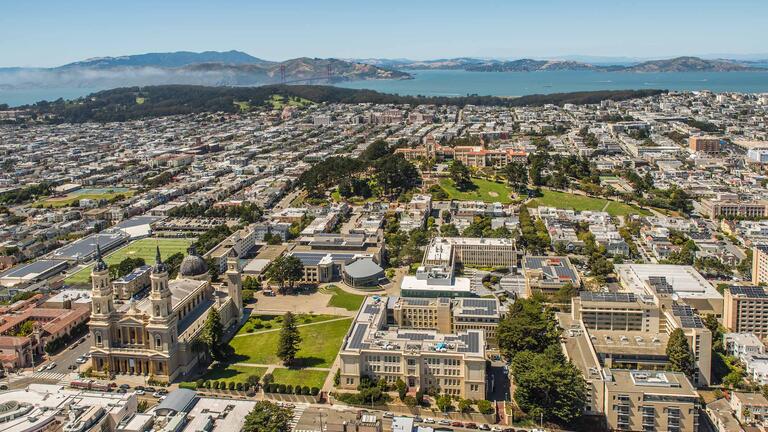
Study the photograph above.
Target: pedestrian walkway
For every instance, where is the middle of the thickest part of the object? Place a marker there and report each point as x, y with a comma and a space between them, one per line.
272, 366
49, 376
297, 413
300, 325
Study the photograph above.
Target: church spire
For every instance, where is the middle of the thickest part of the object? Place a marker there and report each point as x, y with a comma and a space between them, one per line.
159, 265
100, 264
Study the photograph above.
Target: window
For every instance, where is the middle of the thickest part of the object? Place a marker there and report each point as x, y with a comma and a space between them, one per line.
98, 338
158, 342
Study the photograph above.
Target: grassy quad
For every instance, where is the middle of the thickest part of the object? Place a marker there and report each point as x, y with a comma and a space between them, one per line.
565, 200
234, 373
266, 323
485, 190
319, 345
144, 248
343, 299
294, 377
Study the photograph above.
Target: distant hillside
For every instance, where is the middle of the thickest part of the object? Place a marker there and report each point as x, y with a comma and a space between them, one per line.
206, 68
687, 64
171, 59
679, 64
132, 103
529, 65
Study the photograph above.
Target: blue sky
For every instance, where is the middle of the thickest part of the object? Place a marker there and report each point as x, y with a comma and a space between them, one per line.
50, 33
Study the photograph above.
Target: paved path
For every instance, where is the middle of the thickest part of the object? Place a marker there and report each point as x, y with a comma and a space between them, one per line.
300, 325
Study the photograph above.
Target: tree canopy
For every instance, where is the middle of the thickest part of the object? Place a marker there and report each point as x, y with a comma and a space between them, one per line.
268, 417
288, 345
681, 358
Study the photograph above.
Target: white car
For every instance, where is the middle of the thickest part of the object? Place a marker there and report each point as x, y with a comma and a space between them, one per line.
445, 422
81, 360
139, 392
389, 414
157, 394
41, 368
51, 366
429, 420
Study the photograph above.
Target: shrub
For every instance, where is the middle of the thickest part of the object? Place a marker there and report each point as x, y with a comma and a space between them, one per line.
231, 385
215, 385
250, 330
281, 388
268, 378
306, 390
199, 383
253, 380
315, 391
207, 384
289, 389
484, 407
258, 325
239, 386
409, 401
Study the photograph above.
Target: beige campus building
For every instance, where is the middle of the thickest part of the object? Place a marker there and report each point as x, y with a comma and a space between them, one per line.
391, 339
760, 264
156, 335
447, 315
471, 251
650, 401
745, 310
630, 331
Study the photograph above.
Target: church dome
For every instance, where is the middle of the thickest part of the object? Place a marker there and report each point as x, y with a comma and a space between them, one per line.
193, 264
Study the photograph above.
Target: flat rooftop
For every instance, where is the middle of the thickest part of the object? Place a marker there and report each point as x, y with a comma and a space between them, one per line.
685, 281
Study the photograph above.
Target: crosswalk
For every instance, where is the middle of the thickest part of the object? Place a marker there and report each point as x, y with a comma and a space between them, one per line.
49, 376
298, 411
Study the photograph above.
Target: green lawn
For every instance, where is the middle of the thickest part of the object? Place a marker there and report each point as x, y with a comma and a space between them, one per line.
319, 346
581, 203
69, 199
262, 323
343, 299
234, 373
294, 377
144, 248
486, 191
278, 101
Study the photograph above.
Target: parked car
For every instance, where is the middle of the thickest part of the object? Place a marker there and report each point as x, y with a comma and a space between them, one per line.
149, 389
51, 366
484, 427
81, 360
418, 419
41, 368
388, 414
444, 422
162, 391
470, 426
121, 390
125, 386
140, 392
457, 424
429, 420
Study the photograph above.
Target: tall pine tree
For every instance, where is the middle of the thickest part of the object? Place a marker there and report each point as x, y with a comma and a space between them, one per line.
212, 333
679, 353
288, 345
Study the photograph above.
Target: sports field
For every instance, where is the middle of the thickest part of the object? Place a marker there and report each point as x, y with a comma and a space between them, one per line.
486, 191
144, 248
94, 194
565, 200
